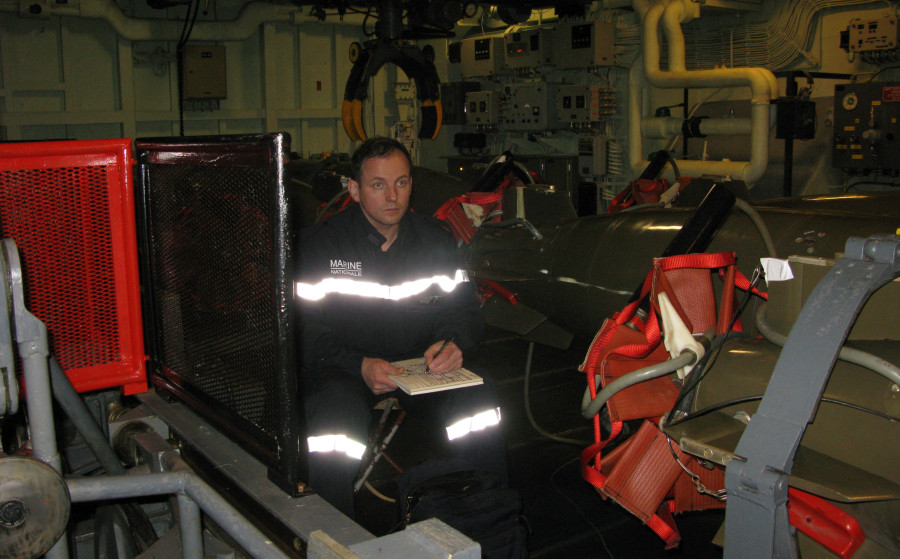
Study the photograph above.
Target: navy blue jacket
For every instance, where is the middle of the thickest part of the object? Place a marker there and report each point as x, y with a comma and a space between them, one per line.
339, 330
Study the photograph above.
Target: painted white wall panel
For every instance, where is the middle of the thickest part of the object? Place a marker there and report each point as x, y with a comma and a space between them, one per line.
281, 44
90, 77
31, 52
38, 100
92, 86
316, 71
243, 75
154, 67
241, 126
155, 129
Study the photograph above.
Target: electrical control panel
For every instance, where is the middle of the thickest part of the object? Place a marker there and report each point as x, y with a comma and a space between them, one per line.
527, 49
453, 100
480, 56
865, 126
482, 108
583, 105
528, 106
584, 45
204, 72
592, 156
872, 34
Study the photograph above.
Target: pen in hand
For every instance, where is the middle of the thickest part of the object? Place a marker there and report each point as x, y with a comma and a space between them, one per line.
438, 352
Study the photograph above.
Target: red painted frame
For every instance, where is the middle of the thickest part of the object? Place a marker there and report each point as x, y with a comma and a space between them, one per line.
51, 192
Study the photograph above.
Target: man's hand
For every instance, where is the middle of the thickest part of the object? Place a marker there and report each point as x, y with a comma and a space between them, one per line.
377, 375
449, 359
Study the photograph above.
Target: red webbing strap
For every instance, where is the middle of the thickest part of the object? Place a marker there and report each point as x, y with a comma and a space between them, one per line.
592, 392
607, 330
444, 211
491, 288
480, 198
663, 525
601, 338
653, 334
621, 201
591, 471
742, 283
710, 260
661, 285
726, 303
590, 456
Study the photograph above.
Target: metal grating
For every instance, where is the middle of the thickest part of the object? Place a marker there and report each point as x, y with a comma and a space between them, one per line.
69, 208
66, 258
213, 281
217, 228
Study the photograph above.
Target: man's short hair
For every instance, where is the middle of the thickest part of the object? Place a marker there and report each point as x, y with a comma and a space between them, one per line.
378, 146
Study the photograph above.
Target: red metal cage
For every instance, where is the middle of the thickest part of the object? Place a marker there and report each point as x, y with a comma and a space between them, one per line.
69, 206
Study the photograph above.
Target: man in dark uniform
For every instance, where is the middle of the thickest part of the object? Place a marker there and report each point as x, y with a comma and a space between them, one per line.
378, 284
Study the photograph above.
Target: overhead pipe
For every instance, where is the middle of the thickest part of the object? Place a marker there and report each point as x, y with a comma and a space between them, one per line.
666, 127
697, 127
251, 16
762, 83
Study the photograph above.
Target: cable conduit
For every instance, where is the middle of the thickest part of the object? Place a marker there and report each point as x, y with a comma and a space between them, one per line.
590, 408
850, 355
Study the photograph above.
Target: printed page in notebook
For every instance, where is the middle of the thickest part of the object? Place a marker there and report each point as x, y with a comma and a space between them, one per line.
414, 379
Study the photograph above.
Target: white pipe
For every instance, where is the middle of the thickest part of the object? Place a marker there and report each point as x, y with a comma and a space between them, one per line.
673, 15
636, 83
666, 127
763, 88
763, 84
243, 27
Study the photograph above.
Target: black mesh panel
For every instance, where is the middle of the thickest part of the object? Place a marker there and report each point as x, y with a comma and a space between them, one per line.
219, 268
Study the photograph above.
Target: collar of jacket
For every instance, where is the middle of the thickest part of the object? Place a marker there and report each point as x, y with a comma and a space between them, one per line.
376, 238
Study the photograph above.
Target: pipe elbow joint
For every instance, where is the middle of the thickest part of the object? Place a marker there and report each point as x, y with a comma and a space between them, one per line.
680, 11
754, 170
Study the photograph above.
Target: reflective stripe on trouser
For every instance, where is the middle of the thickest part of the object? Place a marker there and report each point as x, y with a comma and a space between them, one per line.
337, 443
477, 422
338, 410
339, 404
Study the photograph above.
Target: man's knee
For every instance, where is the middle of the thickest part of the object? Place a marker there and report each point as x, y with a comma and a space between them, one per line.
473, 408
334, 400
338, 411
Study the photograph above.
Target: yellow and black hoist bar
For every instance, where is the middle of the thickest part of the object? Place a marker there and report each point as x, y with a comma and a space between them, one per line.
426, 19
417, 64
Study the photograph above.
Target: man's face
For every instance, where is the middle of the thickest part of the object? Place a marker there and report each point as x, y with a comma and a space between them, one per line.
383, 191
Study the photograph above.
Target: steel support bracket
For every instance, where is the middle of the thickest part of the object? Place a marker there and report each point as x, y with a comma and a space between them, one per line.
9, 386
756, 519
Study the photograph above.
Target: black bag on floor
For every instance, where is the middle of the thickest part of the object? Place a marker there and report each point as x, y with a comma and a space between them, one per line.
476, 502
